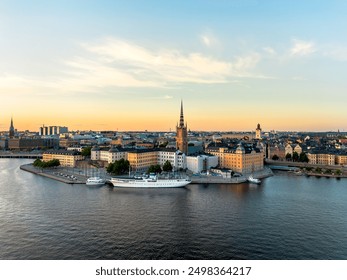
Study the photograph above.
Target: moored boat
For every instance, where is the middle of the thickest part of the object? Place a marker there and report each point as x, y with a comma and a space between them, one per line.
253, 180
151, 182
95, 181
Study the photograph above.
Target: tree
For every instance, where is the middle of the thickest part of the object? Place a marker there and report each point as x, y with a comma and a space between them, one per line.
86, 151
119, 167
167, 166
46, 164
295, 156
163, 145
154, 169
303, 157
288, 156
275, 157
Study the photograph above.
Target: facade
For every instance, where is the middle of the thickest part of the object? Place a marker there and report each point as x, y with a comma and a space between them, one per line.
108, 155
176, 158
321, 157
182, 134
277, 150
290, 149
341, 159
258, 132
242, 159
196, 164
66, 158
141, 160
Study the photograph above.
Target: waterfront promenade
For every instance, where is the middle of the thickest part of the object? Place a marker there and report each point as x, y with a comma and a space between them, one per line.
332, 168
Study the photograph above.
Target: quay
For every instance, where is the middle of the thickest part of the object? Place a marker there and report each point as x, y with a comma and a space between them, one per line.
204, 179
54, 173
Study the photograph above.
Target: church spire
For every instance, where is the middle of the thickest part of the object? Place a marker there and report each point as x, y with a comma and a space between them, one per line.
181, 115
11, 130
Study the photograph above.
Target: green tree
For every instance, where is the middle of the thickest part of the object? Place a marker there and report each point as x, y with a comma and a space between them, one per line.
46, 164
303, 157
338, 172
295, 156
167, 166
86, 151
119, 167
163, 145
154, 169
288, 156
275, 157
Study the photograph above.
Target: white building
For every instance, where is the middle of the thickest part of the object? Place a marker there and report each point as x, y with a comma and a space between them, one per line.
176, 158
199, 163
108, 155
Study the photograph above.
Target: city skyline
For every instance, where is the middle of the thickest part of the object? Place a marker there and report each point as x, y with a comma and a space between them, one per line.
117, 65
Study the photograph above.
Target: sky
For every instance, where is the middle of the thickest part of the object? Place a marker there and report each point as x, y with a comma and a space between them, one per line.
126, 65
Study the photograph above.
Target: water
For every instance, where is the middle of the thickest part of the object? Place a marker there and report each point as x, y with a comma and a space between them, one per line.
286, 217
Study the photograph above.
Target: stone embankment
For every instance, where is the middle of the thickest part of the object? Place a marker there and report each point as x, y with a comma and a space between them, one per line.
203, 179
55, 174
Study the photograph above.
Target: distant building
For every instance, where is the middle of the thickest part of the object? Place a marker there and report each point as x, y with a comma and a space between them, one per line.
242, 159
258, 132
52, 130
30, 143
11, 130
66, 158
182, 134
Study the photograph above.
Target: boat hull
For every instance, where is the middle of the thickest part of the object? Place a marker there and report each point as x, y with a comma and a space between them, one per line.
120, 183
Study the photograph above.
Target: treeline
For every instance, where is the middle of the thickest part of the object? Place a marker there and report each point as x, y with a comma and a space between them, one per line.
46, 164
122, 166
295, 157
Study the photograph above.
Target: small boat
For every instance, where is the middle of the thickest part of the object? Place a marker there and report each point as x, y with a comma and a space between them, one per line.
95, 181
253, 180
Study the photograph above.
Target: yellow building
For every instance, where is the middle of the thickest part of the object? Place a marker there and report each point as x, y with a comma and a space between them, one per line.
323, 158
141, 160
242, 159
341, 159
66, 158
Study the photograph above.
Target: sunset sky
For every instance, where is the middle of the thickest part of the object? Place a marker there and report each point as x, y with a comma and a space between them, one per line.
126, 65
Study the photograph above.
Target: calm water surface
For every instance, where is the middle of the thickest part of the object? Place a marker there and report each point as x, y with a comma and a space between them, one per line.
286, 217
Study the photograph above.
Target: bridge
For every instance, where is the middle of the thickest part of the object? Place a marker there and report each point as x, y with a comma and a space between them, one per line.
20, 155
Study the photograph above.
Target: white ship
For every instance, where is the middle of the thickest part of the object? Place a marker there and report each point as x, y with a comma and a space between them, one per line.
151, 182
253, 180
95, 181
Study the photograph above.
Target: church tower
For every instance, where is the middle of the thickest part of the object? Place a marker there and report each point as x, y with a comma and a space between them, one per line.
182, 134
11, 131
258, 132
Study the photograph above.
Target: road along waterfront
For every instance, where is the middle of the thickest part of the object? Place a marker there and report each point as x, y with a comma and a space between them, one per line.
286, 217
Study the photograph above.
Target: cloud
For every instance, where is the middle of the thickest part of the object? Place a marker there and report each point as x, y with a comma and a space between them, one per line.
116, 63
269, 50
206, 40
302, 48
139, 66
